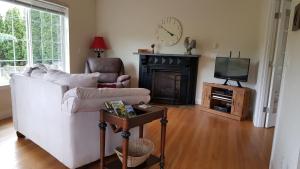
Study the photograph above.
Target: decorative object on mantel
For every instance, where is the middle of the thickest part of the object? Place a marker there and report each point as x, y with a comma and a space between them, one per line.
145, 51
296, 21
169, 31
99, 46
189, 45
153, 46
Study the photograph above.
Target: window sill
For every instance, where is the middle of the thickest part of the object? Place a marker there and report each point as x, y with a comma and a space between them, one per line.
4, 86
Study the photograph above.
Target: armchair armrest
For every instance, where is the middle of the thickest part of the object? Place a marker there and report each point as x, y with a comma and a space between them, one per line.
87, 68
123, 78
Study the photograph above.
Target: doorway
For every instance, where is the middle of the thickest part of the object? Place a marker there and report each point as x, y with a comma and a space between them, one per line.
271, 65
276, 63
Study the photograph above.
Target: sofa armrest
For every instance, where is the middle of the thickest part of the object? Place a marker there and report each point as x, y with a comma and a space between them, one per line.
123, 78
92, 99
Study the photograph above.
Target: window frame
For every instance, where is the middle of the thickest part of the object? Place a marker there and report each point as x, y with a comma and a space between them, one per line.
63, 12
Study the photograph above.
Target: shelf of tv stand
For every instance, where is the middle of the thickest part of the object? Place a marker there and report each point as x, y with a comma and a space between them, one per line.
236, 99
222, 99
222, 95
219, 113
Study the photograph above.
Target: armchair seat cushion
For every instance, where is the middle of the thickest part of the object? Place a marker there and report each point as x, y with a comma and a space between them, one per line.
107, 77
107, 85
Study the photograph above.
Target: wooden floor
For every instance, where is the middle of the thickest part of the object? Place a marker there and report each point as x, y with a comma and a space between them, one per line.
195, 140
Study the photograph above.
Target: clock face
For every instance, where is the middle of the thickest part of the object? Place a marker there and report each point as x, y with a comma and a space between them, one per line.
169, 31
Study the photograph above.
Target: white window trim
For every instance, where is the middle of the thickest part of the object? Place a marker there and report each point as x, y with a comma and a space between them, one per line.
66, 40
4, 87
62, 10
41, 5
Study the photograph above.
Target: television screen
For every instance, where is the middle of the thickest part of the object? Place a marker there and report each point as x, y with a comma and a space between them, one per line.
232, 68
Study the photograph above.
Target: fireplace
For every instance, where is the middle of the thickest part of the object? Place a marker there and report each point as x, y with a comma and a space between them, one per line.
166, 85
171, 78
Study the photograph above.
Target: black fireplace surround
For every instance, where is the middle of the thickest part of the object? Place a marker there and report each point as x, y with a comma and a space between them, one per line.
171, 78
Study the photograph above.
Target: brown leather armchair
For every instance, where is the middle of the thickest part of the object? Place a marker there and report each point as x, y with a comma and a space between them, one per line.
111, 71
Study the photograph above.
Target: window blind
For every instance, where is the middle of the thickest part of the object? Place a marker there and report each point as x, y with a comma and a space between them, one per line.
41, 5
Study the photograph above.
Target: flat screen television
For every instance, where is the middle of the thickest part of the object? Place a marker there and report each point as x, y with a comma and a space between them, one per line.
236, 69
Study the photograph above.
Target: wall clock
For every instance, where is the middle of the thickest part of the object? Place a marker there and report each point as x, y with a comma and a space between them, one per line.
169, 31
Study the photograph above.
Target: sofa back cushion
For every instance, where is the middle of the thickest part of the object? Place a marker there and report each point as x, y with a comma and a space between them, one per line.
72, 80
53, 75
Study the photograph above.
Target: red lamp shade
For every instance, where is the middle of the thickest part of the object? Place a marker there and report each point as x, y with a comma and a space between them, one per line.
98, 43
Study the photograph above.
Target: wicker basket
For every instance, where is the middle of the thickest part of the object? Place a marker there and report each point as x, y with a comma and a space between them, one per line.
139, 150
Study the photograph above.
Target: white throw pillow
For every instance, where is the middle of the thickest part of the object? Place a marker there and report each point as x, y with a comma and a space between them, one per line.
37, 71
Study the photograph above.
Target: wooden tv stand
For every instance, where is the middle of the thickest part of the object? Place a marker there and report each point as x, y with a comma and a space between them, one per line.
228, 101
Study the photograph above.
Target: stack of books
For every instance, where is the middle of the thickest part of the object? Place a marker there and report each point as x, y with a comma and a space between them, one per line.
120, 109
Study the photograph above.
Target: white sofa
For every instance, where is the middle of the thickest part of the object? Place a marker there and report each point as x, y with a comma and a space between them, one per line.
65, 122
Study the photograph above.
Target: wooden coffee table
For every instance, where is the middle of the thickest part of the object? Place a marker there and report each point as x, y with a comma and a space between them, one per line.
124, 125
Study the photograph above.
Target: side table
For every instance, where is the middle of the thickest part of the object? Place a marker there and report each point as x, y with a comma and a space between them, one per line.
144, 116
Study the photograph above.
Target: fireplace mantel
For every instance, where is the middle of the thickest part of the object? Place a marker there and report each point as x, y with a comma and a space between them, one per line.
165, 54
171, 78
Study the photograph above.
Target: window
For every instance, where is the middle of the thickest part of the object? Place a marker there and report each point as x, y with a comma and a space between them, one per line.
29, 35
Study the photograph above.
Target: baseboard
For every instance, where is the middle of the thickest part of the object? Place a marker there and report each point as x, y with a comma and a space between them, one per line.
198, 101
5, 115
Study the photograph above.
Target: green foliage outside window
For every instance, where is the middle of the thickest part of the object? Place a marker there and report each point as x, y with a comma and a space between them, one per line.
45, 31
21, 28
13, 24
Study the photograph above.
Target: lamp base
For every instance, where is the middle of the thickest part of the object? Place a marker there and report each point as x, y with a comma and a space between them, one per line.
99, 53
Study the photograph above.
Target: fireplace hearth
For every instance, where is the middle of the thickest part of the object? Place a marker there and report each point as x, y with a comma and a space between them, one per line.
170, 78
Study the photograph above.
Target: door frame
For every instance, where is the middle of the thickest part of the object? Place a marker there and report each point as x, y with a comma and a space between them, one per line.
264, 73
278, 62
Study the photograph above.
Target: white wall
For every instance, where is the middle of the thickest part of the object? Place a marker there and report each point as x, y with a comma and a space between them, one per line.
82, 30
232, 24
286, 145
5, 102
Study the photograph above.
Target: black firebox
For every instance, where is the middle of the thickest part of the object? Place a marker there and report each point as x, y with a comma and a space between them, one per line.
171, 78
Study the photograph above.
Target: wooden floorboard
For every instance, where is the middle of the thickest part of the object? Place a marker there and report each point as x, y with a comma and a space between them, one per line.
195, 140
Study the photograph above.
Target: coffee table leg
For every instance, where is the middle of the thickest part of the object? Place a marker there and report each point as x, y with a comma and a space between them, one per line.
163, 122
125, 135
102, 126
141, 131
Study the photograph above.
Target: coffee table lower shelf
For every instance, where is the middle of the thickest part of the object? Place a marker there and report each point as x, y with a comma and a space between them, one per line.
115, 163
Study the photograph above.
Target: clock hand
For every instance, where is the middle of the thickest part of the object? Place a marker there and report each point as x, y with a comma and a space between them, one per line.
172, 34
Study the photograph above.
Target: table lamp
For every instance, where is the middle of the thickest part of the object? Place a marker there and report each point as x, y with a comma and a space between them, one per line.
99, 46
